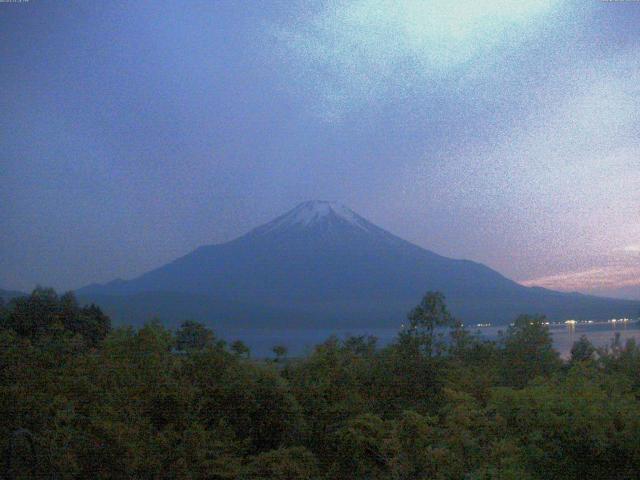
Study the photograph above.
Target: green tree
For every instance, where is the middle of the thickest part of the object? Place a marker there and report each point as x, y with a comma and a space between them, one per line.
293, 463
92, 324
251, 398
572, 426
528, 351
582, 350
364, 345
192, 336
35, 315
3, 312
280, 351
430, 313
43, 315
330, 387
240, 348
363, 449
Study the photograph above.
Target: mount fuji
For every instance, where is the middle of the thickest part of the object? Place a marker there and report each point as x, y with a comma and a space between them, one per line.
322, 265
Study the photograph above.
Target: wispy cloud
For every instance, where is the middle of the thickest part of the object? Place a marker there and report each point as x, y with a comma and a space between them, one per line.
632, 249
600, 278
618, 270
351, 53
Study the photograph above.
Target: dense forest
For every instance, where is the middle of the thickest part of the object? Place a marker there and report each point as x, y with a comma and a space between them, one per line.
82, 400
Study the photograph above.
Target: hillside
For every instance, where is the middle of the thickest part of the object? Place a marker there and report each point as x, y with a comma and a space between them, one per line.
321, 264
7, 295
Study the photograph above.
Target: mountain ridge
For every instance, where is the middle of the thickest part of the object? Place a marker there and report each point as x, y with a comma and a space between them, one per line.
324, 264
7, 295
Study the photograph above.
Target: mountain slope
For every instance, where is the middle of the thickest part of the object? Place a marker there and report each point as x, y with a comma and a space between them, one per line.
7, 295
322, 265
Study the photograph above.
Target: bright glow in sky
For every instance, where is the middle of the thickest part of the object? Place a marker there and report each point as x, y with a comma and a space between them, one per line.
359, 51
440, 31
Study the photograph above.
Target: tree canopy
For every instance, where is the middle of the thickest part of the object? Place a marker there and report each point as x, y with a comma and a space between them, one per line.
81, 400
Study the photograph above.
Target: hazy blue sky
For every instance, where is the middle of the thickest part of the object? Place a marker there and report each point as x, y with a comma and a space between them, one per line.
506, 132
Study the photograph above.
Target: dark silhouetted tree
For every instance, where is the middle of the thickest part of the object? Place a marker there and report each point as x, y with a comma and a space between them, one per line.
430, 313
44, 314
582, 350
528, 351
193, 336
240, 348
280, 351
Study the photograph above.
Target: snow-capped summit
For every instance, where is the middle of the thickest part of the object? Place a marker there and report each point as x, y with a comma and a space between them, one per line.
312, 211
316, 212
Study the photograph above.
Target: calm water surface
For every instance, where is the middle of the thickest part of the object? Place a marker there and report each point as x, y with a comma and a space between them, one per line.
301, 341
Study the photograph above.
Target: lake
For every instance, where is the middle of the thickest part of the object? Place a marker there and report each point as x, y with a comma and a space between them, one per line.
300, 342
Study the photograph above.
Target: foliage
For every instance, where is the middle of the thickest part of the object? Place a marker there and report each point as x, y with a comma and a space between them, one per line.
43, 314
582, 350
428, 315
194, 336
528, 351
294, 463
153, 403
280, 351
240, 349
